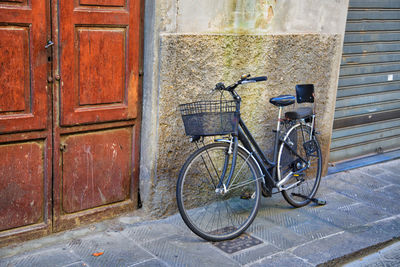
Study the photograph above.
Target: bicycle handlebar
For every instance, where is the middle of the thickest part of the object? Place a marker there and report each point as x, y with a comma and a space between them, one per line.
254, 80
244, 79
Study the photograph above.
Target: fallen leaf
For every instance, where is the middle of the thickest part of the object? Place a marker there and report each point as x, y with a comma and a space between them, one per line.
98, 254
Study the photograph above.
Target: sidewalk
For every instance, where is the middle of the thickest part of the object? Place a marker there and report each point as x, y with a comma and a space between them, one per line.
362, 212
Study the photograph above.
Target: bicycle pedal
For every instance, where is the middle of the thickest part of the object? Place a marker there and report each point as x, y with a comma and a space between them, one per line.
248, 195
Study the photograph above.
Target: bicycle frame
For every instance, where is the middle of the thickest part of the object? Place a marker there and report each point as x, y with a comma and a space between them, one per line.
267, 167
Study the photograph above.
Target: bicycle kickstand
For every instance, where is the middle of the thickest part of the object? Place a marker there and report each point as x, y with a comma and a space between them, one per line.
315, 200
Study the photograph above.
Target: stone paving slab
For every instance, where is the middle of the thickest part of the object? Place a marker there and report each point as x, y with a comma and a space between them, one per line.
365, 180
49, 257
362, 211
328, 248
277, 235
145, 232
178, 250
371, 198
255, 254
282, 259
391, 191
379, 231
117, 250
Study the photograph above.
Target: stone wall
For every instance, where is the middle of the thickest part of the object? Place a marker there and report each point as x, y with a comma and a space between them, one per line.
191, 64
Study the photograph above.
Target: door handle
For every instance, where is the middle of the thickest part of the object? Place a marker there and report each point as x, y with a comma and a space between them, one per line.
49, 44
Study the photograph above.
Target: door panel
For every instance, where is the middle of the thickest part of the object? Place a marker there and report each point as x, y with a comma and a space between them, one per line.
14, 43
23, 63
99, 54
97, 169
21, 191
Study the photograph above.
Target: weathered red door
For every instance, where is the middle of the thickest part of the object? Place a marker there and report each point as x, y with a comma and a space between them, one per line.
25, 120
69, 113
96, 105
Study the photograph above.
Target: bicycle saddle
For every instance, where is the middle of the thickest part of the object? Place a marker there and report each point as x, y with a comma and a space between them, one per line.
282, 100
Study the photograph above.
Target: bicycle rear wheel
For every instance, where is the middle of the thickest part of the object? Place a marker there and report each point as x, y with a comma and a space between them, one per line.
205, 208
306, 177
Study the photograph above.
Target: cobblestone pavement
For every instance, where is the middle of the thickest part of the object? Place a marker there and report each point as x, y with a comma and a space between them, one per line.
362, 211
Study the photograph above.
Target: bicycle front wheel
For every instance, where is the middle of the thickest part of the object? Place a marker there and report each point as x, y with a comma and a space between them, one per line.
300, 159
207, 209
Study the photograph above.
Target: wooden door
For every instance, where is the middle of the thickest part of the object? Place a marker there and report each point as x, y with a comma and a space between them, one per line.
25, 120
97, 106
69, 113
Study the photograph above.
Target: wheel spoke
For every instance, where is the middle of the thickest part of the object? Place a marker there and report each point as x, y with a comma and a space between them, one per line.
211, 214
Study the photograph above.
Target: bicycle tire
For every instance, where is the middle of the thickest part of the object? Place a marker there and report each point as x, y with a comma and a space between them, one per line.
214, 216
301, 194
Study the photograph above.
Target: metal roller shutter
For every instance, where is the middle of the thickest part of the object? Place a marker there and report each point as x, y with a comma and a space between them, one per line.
367, 115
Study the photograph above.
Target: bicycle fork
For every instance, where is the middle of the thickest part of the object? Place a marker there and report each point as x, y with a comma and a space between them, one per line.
233, 149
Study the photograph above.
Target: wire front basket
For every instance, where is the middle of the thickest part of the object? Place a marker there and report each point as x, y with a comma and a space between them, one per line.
205, 118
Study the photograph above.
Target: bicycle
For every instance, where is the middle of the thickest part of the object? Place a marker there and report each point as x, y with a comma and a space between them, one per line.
220, 185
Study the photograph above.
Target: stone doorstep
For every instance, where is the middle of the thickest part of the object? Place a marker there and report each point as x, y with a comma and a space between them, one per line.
354, 259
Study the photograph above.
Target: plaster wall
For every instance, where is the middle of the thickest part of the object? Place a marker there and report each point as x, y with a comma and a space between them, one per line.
261, 16
191, 45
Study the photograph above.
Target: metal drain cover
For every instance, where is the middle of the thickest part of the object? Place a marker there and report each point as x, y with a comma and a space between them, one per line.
242, 242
